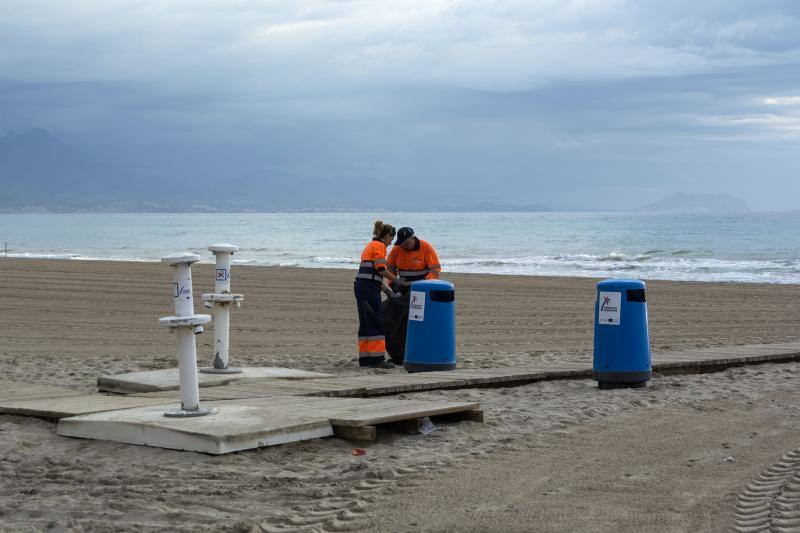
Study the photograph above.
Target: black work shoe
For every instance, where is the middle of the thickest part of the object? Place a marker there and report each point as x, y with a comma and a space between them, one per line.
384, 364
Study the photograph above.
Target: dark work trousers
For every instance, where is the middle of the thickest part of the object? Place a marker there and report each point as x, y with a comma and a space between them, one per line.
371, 338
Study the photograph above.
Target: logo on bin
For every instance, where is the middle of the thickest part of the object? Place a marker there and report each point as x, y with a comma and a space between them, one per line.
416, 308
610, 308
606, 306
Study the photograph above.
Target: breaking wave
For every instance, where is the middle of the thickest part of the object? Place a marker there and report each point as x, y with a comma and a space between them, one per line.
668, 266
746, 249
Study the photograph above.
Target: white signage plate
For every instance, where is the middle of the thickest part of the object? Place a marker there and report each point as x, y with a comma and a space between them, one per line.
416, 306
610, 308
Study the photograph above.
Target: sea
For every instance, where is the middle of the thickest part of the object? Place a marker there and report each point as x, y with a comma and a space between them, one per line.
759, 247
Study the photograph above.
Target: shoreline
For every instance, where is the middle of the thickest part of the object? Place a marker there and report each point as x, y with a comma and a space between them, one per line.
209, 261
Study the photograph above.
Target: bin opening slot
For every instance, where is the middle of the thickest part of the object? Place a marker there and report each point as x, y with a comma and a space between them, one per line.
636, 295
443, 296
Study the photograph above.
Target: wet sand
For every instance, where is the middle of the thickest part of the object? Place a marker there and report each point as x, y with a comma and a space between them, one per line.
550, 457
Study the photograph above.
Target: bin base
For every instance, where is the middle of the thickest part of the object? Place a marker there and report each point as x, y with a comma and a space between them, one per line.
619, 380
609, 385
427, 367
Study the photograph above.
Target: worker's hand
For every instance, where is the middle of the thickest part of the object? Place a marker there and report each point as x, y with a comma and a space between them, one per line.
394, 295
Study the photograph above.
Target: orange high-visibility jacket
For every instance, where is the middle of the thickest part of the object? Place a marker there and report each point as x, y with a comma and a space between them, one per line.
419, 263
373, 260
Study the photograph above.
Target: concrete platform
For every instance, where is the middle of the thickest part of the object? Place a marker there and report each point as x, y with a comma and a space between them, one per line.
253, 423
167, 379
233, 428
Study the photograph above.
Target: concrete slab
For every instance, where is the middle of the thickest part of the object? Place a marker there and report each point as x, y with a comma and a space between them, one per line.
167, 379
233, 428
55, 408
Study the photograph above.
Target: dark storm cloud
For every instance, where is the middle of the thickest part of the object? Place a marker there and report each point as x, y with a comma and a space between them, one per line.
553, 101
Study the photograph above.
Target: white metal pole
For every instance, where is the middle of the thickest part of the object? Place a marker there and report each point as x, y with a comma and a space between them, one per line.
222, 316
222, 322
221, 301
187, 370
187, 325
187, 349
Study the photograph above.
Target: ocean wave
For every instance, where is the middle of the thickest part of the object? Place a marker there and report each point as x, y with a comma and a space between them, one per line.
37, 255
668, 267
689, 252
611, 256
649, 265
336, 260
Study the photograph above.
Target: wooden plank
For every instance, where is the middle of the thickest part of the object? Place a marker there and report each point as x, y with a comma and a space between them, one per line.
373, 385
414, 425
476, 415
57, 408
411, 426
367, 433
14, 390
354, 413
400, 412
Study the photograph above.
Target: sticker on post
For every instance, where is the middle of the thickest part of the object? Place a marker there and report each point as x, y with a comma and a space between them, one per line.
222, 274
610, 308
416, 306
180, 290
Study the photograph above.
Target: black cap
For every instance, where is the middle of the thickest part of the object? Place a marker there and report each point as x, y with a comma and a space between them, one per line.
402, 235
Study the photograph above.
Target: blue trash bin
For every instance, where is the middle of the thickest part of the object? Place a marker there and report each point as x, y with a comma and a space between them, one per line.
621, 338
431, 334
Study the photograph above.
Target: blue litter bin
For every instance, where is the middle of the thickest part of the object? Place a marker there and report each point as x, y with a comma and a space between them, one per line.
431, 334
621, 338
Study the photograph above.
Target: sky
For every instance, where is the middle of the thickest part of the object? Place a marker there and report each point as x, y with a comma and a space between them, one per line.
577, 103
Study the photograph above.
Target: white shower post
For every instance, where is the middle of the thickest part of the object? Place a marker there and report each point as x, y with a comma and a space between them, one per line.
186, 324
221, 301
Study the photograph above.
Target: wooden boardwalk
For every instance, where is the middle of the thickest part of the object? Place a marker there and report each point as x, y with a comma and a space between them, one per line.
57, 402
284, 418
336, 405
12, 390
683, 362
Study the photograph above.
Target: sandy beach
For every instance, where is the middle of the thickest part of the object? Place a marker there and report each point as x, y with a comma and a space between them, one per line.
552, 456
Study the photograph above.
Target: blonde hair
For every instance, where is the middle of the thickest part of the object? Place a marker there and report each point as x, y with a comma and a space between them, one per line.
381, 230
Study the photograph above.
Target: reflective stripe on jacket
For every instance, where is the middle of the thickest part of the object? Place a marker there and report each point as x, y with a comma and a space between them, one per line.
414, 265
373, 260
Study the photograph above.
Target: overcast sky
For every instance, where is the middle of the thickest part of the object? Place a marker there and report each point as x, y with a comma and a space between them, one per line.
591, 103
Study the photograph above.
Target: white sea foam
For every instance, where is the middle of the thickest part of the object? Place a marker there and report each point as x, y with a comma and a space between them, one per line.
747, 249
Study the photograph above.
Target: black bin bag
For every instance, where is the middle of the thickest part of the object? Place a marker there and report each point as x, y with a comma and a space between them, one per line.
395, 324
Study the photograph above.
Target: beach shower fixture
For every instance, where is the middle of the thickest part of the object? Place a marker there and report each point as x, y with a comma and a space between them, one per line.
221, 301
186, 324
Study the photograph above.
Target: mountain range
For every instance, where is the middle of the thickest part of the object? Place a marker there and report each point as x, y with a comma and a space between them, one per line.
39, 172
683, 203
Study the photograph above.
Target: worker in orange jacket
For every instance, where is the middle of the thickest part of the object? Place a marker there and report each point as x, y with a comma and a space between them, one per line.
412, 259
367, 287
